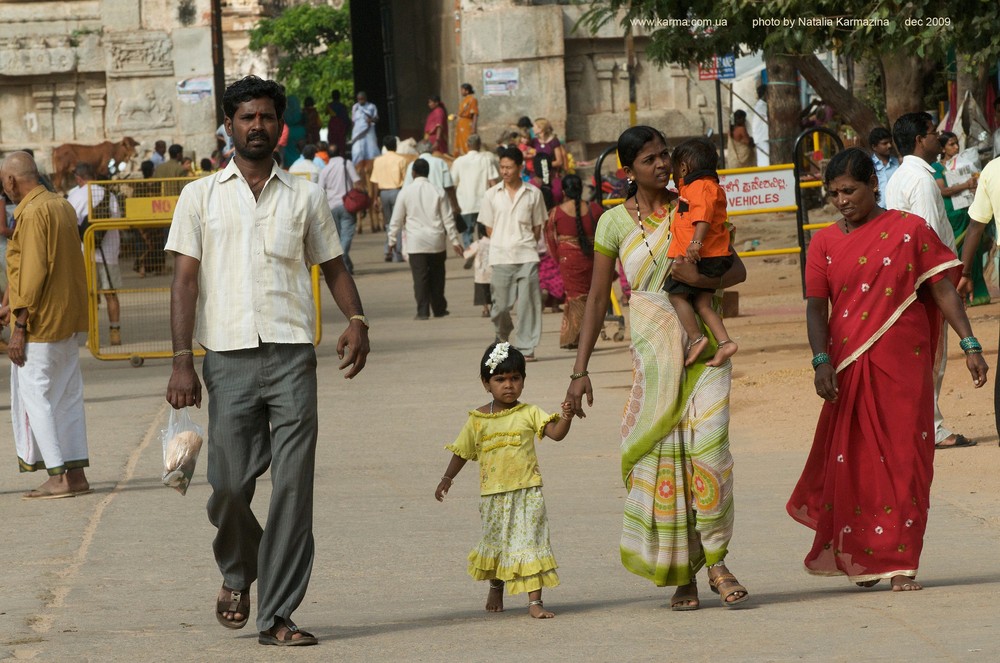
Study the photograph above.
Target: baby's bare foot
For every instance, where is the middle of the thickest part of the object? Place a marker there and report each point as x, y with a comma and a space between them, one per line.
726, 350
494, 600
694, 349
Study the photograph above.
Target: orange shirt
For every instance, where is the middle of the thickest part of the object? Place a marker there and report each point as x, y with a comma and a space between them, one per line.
701, 200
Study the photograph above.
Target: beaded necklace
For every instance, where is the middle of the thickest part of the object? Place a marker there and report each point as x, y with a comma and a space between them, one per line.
638, 218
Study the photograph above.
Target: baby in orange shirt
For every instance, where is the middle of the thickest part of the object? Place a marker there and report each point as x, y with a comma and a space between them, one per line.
700, 234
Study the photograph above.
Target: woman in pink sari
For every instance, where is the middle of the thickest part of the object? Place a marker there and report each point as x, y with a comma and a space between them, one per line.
877, 283
436, 126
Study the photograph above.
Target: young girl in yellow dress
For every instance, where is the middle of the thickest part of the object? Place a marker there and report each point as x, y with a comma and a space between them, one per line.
515, 549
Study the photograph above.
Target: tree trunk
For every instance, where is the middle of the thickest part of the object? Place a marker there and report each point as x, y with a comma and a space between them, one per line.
783, 106
855, 112
904, 84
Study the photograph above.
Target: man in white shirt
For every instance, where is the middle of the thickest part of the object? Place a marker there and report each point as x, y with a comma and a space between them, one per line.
425, 213
439, 174
984, 209
514, 213
912, 189
244, 239
305, 165
105, 206
473, 173
336, 179
759, 128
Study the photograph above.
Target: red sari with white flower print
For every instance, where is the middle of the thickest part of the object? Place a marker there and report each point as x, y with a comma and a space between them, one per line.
866, 485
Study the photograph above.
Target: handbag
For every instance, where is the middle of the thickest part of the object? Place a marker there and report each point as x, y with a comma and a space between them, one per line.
354, 200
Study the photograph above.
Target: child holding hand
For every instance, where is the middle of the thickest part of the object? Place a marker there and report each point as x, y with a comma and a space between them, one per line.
700, 235
514, 550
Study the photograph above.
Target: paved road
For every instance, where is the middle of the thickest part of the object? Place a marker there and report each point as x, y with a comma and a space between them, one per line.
126, 574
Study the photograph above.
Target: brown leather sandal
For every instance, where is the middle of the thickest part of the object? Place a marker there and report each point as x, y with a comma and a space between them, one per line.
725, 585
286, 638
238, 601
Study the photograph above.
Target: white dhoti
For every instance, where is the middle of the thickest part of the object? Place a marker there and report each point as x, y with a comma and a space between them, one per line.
46, 394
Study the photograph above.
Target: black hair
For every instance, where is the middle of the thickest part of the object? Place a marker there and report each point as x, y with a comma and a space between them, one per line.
853, 162
335, 95
421, 168
147, 168
309, 102
468, 88
511, 153
524, 122
762, 90
572, 187
437, 99
877, 135
250, 88
698, 153
630, 143
309, 151
85, 171
907, 128
740, 117
514, 363
945, 136
206, 164
175, 151
389, 143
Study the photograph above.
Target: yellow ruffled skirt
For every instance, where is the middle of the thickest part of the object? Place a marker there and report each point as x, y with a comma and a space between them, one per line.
515, 545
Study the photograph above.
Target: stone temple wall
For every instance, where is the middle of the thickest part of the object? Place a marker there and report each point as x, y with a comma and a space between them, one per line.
85, 71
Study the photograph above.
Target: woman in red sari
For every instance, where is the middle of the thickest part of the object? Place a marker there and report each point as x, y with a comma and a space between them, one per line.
877, 283
436, 126
569, 234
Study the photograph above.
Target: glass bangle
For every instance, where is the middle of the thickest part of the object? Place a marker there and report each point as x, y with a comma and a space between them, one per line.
821, 358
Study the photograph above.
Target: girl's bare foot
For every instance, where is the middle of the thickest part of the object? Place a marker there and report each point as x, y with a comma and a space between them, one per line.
905, 584
538, 611
726, 350
494, 600
694, 349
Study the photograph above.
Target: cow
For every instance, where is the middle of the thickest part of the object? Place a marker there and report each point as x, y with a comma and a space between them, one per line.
65, 157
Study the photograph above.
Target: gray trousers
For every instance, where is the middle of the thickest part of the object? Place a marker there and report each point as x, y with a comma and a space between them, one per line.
261, 413
516, 286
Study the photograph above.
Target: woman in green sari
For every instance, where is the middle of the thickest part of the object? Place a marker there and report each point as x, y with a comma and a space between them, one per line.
959, 218
675, 430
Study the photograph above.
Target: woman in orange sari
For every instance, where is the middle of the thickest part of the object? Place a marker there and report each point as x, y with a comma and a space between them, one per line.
877, 283
468, 119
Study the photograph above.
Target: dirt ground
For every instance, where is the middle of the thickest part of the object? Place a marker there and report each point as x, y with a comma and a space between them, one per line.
774, 359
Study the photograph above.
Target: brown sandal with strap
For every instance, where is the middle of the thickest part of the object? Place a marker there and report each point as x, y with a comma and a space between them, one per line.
725, 585
238, 601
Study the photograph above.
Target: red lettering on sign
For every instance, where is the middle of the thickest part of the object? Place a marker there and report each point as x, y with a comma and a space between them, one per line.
162, 205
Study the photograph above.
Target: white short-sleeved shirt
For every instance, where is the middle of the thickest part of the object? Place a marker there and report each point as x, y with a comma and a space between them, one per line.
253, 281
987, 200
471, 173
512, 241
439, 174
912, 189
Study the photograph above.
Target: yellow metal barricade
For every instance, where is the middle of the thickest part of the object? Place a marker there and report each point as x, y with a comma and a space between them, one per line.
140, 211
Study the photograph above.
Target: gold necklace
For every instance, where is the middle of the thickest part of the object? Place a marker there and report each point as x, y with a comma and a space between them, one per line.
638, 218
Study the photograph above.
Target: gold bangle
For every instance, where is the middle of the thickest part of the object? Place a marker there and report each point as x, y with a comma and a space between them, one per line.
181, 353
581, 374
448, 479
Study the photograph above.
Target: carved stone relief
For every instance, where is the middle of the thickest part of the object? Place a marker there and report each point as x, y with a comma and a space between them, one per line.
20, 56
145, 54
144, 109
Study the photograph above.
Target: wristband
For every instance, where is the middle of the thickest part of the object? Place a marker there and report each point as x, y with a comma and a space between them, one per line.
181, 353
448, 479
581, 374
821, 358
970, 345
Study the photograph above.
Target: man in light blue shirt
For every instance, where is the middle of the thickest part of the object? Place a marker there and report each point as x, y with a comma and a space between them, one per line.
885, 162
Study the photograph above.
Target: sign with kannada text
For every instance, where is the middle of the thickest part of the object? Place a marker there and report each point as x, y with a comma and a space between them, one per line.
758, 190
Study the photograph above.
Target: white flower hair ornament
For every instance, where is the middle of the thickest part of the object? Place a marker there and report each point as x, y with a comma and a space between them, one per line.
497, 356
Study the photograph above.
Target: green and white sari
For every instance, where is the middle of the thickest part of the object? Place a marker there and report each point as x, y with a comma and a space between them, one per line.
675, 427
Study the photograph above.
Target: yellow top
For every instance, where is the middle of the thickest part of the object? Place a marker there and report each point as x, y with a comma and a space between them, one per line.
504, 445
45, 267
389, 170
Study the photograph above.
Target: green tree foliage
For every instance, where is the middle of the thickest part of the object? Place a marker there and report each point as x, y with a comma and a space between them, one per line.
313, 43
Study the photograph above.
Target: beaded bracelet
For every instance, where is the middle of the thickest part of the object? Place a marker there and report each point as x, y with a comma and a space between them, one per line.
970, 344
182, 353
581, 374
821, 358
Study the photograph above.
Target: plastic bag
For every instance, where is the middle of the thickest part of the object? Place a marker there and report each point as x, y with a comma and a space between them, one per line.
182, 440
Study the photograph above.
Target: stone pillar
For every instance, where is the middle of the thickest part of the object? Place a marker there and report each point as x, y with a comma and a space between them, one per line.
97, 99
65, 125
605, 66
44, 98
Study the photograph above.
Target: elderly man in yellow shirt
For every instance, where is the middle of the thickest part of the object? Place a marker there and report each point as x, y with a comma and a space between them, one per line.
46, 298
388, 173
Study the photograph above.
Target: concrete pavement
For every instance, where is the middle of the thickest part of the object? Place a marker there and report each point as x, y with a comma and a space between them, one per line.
127, 574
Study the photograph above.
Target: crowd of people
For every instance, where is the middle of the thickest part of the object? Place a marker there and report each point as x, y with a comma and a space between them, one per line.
882, 282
